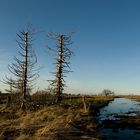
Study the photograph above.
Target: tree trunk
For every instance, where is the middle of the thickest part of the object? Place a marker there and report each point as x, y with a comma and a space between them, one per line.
25, 72
59, 73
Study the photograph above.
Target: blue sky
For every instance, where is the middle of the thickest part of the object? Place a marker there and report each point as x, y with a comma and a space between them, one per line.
106, 42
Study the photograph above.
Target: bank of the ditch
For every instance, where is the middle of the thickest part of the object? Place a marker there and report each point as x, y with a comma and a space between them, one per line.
65, 121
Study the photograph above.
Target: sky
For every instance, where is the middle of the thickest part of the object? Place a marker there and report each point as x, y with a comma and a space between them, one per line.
106, 42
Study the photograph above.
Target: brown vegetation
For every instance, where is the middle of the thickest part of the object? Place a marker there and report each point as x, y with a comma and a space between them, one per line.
64, 121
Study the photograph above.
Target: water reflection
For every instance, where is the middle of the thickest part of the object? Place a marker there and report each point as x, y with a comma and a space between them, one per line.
111, 115
118, 107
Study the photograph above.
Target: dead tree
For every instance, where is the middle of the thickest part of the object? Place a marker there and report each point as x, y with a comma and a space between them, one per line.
63, 54
10, 82
23, 67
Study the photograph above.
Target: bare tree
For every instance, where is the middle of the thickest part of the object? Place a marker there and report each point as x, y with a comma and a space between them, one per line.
63, 54
10, 82
23, 67
107, 92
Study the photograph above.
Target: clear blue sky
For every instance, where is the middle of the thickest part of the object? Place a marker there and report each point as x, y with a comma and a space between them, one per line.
106, 40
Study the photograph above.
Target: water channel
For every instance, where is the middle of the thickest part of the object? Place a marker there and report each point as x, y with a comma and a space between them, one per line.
111, 115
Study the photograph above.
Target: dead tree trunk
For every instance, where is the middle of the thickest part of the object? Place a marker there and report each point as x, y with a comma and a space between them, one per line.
63, 54
25, 72
59, 72
23, 68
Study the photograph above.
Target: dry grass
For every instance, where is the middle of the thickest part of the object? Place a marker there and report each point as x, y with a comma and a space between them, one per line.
48, 122
135, 97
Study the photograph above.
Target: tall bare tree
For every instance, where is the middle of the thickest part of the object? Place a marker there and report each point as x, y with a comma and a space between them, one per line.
23, 67
63, 54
